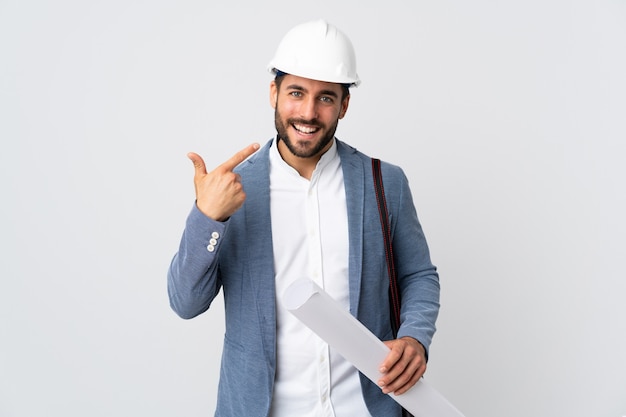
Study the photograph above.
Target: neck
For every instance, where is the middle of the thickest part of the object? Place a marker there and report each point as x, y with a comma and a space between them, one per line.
303, 165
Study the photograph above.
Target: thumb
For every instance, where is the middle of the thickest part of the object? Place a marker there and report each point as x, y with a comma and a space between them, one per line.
198, 163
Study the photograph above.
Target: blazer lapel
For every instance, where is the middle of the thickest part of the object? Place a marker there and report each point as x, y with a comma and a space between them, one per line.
353, 177
259, 232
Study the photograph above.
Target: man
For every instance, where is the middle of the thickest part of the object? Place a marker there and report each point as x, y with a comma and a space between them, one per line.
304, 206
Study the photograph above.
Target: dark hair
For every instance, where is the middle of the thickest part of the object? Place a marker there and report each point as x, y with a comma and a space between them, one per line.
278, 79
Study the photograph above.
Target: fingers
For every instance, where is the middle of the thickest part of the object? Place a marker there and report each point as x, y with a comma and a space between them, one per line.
198, 163
239, 157
229, 165
403, 367
394, 355
219, 193
405, 380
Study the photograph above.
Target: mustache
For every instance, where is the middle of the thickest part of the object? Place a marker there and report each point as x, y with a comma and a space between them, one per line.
312, 122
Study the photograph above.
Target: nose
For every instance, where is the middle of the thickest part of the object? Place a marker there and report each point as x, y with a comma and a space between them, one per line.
308, 108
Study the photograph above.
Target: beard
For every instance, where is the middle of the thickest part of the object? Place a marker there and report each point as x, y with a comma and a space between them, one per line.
303, 149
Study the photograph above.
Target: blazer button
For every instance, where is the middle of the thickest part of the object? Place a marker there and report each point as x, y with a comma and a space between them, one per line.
215, 235
210, 248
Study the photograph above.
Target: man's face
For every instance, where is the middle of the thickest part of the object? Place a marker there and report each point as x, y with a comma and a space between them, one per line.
307, 113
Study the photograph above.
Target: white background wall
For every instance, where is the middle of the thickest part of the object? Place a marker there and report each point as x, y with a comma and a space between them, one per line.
508, 117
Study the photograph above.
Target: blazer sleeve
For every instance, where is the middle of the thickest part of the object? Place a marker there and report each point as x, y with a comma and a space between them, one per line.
418, 279
193, 276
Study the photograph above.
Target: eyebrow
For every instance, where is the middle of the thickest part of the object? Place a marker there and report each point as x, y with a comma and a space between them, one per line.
322, 93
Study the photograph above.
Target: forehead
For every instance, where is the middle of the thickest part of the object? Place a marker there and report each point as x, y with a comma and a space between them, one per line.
312, 86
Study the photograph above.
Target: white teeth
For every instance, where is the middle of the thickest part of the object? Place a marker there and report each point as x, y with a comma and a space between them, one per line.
304, 129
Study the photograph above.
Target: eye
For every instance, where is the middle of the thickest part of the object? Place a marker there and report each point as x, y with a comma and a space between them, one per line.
295, 93
326, 99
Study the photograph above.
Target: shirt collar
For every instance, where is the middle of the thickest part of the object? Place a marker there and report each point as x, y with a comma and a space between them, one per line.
327, 157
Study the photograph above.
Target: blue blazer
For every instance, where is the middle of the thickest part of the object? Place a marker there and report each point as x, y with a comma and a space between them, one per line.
240, 262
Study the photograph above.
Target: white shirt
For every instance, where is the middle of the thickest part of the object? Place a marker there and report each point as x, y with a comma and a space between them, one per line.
310, 240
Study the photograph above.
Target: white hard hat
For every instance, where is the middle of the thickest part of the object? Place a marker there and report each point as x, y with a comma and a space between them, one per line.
318, 51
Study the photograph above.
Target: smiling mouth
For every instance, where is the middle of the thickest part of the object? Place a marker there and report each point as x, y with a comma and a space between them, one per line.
304, 129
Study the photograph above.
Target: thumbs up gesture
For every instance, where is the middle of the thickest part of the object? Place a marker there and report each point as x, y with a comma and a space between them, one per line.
219, 193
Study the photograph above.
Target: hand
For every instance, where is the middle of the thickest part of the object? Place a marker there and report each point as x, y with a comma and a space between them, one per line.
219, 193
403, 366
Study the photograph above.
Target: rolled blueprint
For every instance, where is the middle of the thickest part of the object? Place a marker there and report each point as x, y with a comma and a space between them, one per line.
351, 339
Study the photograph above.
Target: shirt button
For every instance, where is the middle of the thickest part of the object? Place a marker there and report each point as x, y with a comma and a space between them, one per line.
215, 235
210, 248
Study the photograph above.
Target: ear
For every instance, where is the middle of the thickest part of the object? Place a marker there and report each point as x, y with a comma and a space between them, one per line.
344, 106
273, 94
